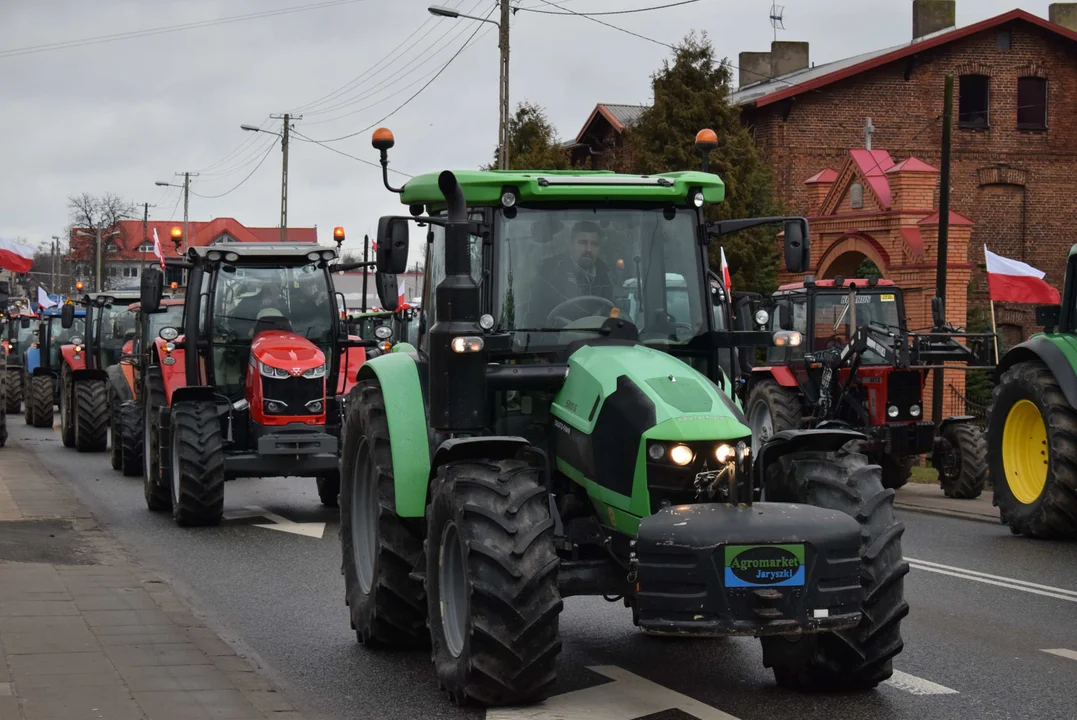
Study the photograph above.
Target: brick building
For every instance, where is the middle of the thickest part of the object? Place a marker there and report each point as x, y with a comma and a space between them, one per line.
601, 139
1015, 126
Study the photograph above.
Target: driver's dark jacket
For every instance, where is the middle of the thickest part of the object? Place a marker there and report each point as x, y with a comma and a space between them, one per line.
560, 278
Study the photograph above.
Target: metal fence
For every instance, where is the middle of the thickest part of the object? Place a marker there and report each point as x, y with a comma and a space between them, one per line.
974, 405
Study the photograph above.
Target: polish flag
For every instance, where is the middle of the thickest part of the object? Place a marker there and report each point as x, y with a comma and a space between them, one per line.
43, 299
725, 273
16, 256
1016, 282
401, 290
157, 248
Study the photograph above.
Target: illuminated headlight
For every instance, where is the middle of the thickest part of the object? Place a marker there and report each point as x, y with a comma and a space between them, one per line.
892, 411
315, 406
914, 411
383, 332
697, 199
788, 338
508, 199
725, 453
169, 347
78, 349
271, 372
743, 450
467, 344
681, 454
656, 452
315, 372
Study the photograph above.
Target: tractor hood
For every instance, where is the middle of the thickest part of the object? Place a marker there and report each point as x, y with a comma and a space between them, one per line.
286, 351
654, 392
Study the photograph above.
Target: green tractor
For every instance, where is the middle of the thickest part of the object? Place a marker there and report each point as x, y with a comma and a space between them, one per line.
566, 425
1032, 424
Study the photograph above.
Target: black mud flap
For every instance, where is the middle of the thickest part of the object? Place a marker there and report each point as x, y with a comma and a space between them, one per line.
765, 569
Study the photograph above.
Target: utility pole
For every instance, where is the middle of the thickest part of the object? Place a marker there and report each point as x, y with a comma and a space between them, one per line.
503, 133
52, 262
99, 282
366, 270
145, 237
287, 118
944, 235
186, 203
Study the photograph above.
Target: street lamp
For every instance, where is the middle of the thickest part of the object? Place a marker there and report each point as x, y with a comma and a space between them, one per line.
287, 118
99, 284
186, 187
503, 88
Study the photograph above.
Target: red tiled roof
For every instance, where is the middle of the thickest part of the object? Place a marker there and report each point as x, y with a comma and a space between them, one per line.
201, 233
955, 219
874, 164
914, 240
828, 175
912, 164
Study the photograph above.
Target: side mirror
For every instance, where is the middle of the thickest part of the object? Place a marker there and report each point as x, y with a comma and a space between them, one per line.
392, 245
387, 288
67, 316
151, 288
785, 315
797, 246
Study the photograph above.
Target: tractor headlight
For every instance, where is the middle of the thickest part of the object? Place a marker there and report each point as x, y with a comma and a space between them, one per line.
76, 341
270, 371
915, 411
892, 411
314, 406
762, 317
656, 452
315, 372
681, 454
698, 199
383, 332
467, 344
788, 338
273, 407
724, 453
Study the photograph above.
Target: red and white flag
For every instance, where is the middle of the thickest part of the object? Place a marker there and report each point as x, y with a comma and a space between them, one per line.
401, 290
157, 248
1017, 282
16, 256
725, 273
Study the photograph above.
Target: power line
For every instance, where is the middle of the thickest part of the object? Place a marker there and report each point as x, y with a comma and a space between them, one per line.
251, 138
64, 44
259, 147
240, 183
609, 25
303, 137
608, 12
404, 104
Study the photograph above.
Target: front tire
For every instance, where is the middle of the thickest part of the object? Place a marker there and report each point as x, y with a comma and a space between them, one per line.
896, 471
129, 421
156, 485
860, 658
91, 415
1032, 436
197, 458
115, 442
379, 548
41, 398
67, 425
491, 578
14, 390
772, 409
962, 464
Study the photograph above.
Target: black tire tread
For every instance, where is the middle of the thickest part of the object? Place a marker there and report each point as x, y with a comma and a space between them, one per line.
41, 399
197, 433
896, 470
971, 446
784, 404
91, 415
13, 402
129, 419
158, 494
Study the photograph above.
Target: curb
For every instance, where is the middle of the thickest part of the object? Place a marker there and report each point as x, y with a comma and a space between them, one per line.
948, 513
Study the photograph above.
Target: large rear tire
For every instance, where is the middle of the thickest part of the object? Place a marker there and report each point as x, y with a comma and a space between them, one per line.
129, 422
156, 485
860, 658
771, 409
115, 442
27, 399
41, 398
197, 458
962, 461
13, 403
491, 579
379, 548
1032, 436
91, 415
67, 412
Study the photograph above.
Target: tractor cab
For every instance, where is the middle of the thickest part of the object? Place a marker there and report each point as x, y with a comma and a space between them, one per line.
44, 361
19, 332
260, 358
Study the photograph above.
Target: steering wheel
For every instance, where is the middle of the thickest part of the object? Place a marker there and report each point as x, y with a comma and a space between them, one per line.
584, 306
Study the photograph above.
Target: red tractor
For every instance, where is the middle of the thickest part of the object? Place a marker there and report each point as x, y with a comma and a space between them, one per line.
858, 365
251, 384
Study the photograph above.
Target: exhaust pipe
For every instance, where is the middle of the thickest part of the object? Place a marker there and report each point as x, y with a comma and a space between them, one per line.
454, 196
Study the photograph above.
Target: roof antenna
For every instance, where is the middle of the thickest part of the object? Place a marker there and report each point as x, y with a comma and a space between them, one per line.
777, 19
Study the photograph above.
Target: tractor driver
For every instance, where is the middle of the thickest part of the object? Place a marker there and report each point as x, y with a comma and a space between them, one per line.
575, 273
245, 315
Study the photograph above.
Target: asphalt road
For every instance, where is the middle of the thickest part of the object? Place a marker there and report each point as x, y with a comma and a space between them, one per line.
985, 608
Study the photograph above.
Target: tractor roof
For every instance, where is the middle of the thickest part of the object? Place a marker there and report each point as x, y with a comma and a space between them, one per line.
260, 252
55, 312
484, 187
860, 283
165, 302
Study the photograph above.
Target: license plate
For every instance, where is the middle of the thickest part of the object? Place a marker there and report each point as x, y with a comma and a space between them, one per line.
762, 566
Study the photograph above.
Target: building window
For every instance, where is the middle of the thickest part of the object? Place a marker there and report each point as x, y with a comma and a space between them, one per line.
145, 247
973, 104
856, 196
1004, 40
1031, 103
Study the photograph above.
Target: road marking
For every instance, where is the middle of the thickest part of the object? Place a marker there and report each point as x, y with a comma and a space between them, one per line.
280, 524
997, 580
628, 696
917, 686
1068, 654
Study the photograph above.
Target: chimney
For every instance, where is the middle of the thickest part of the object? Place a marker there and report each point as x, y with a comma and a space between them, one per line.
754, 68
787, 57
930, 16
1064, 14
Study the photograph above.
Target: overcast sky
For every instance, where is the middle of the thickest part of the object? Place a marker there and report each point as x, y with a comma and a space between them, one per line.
118, 116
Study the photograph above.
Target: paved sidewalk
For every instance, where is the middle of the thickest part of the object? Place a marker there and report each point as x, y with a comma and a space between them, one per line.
929, 499
85, 632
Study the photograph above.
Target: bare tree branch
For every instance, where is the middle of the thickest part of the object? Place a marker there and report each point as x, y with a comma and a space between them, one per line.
92, 214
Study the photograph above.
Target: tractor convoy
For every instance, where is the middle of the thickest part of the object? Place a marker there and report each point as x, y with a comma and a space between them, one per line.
580, 406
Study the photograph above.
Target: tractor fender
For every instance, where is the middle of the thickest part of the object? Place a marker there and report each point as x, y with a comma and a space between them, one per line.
33, 359
497, 447
193, 393
955, 420
351, 361
39, 371
173, 374
80, 374
67, 352
118, 381
1050, 354
405, 412
788, 442
780, 373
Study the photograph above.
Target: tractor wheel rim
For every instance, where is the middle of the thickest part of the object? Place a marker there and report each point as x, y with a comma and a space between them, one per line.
364, 525
452, 590
761, 424
1025, 452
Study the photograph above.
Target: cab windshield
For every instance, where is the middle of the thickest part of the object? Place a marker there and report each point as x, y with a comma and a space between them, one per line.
116, 320
167, 316
59, 337
833, 328
562, 273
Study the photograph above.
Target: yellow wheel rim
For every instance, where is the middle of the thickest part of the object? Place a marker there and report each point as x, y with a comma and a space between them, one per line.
1024, 451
